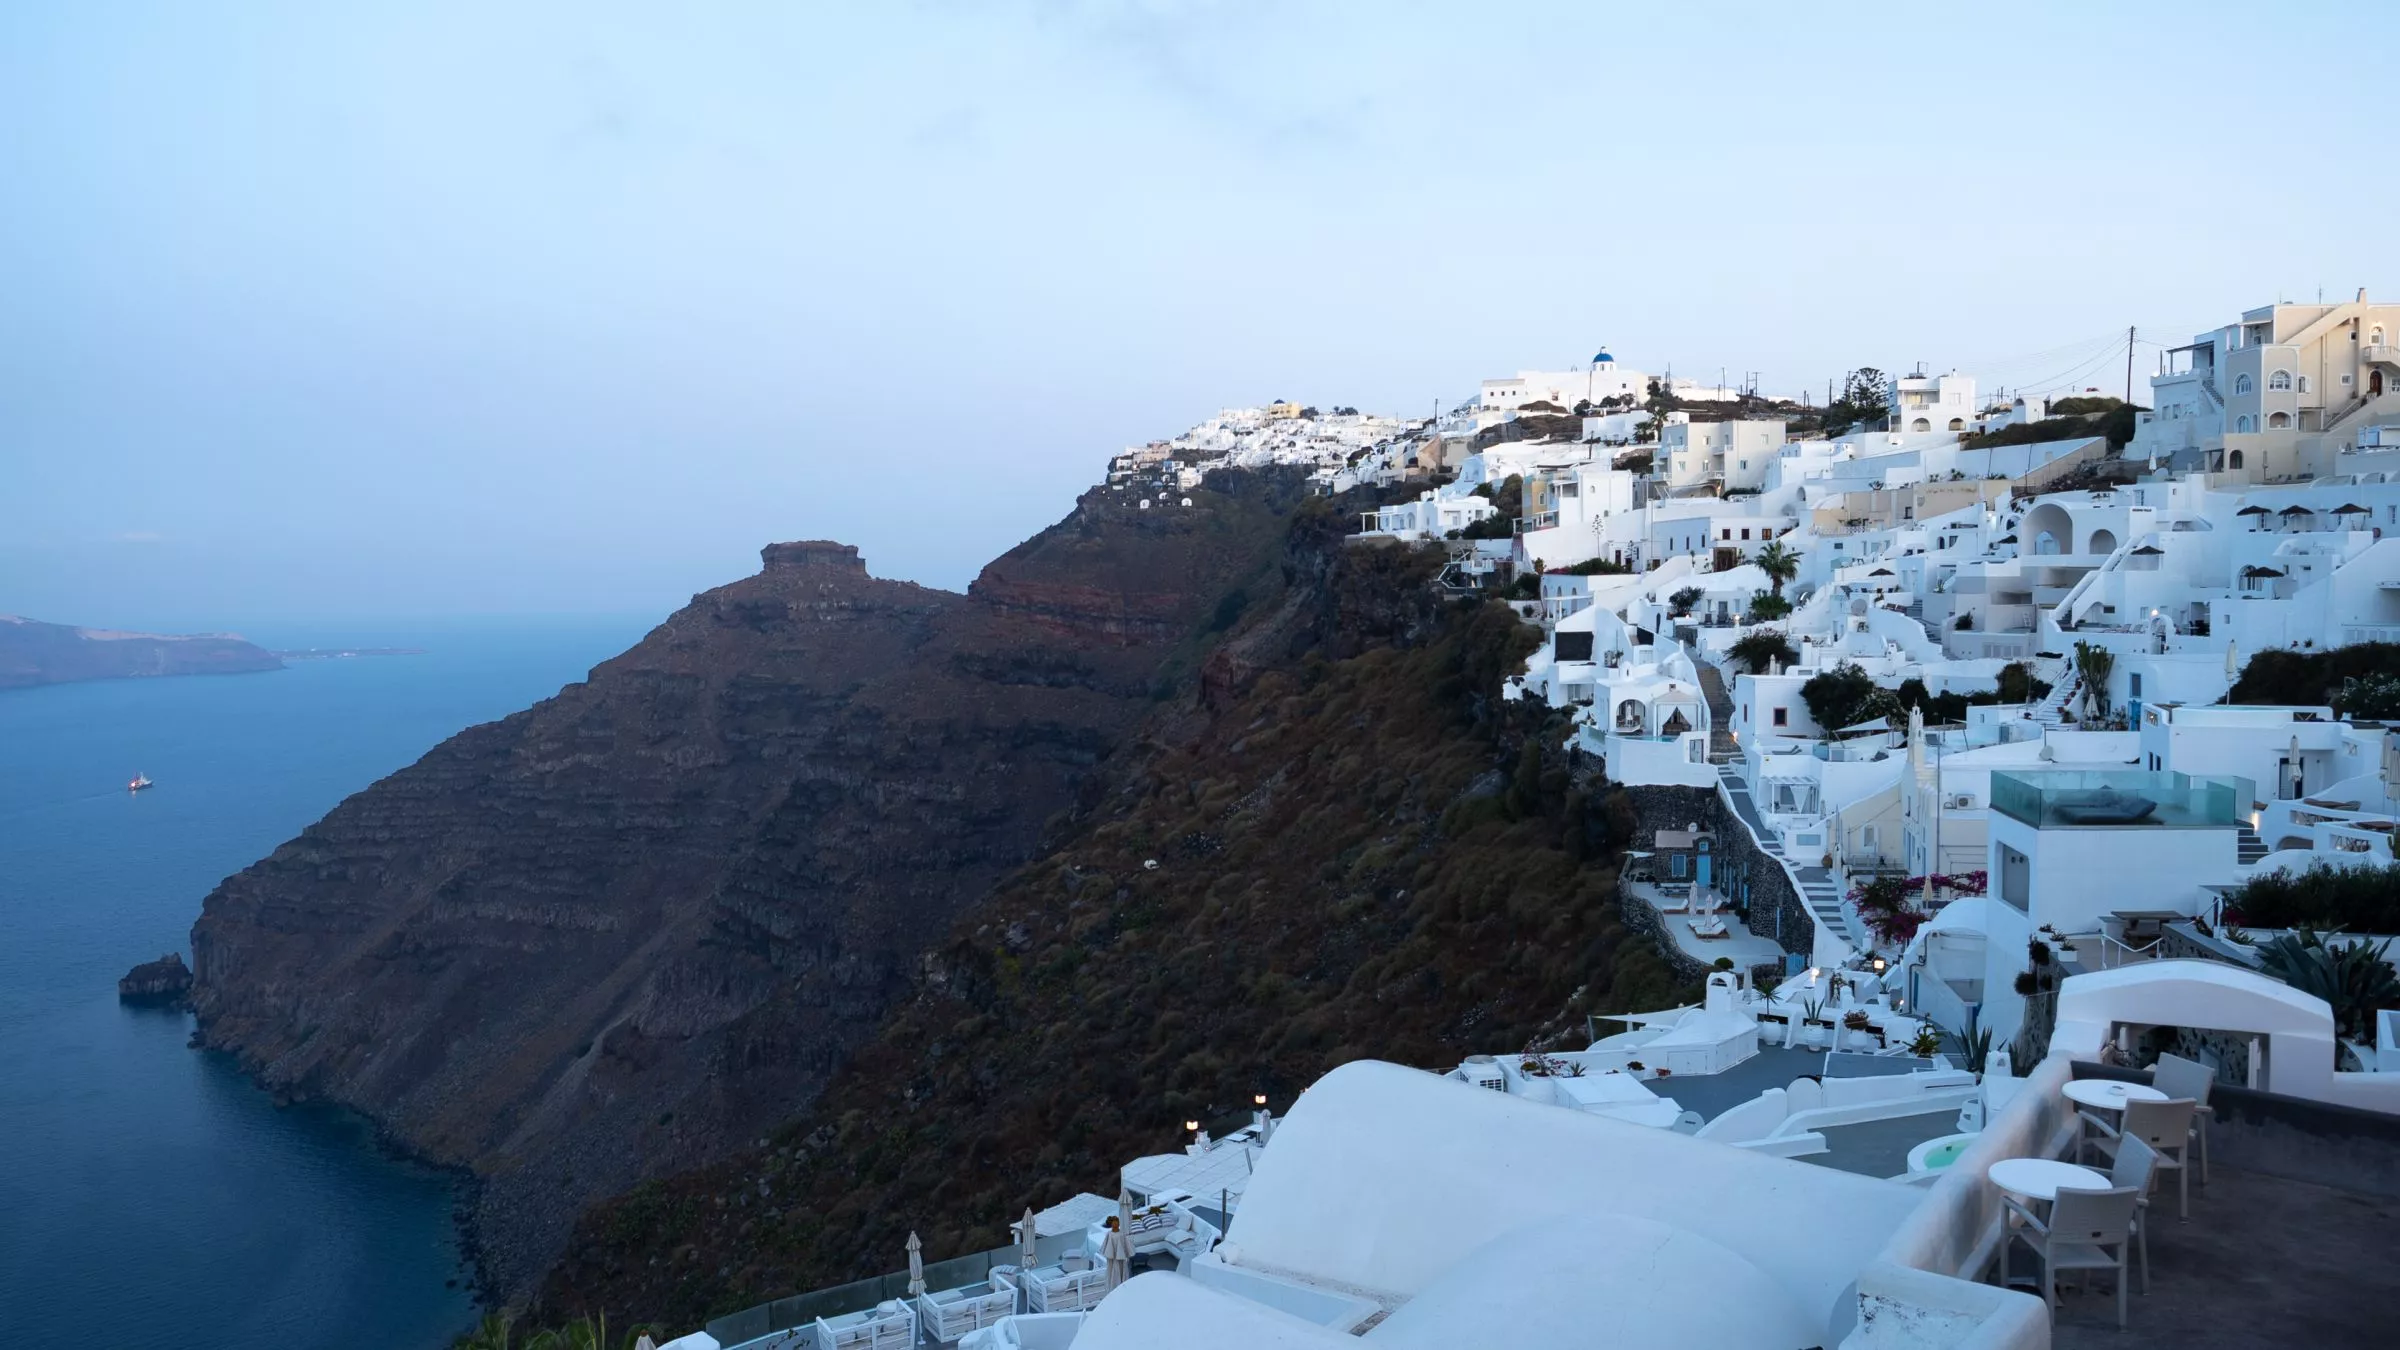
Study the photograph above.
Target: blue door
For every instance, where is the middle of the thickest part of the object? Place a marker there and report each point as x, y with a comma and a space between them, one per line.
1700, 865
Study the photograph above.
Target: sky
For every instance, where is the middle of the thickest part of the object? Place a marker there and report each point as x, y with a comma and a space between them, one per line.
434, 308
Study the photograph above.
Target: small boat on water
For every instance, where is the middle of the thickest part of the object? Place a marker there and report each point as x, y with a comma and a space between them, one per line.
139, 782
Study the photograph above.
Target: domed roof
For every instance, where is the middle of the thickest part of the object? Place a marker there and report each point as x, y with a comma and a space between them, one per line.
1602, 1279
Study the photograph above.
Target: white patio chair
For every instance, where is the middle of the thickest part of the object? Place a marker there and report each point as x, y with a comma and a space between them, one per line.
2135, 1163
2082, 1228
2179, 1077
2165, 1126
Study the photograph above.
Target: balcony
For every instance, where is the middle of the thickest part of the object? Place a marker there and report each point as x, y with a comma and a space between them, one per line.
1539, 520
2117, 799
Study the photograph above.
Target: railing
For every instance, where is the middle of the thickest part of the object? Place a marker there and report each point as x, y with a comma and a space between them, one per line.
799, 1312
2355, 633
1539, 520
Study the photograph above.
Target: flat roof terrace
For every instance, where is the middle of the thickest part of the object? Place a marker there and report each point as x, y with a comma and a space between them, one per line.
2289, 1243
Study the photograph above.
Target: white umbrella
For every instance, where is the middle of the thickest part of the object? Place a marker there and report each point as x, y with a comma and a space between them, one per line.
645, 1343
2233, 664
1117, 1250
916, 1264
1025, 1257
1124, 1211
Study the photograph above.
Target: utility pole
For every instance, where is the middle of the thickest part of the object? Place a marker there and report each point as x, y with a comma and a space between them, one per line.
2129, 363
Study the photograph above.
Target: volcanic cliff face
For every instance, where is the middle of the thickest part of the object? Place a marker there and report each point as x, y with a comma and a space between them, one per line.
620, 932
1340, 844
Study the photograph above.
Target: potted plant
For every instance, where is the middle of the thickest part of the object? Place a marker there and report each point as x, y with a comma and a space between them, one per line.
1860, 1033
1926, 1043
1814, 1029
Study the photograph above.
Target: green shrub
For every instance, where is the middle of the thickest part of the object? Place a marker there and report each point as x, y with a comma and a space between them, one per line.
2352, 899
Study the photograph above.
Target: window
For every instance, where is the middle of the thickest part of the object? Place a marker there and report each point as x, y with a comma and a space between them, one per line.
2015, 878
2281, 379
1783, 717
2245, 423
2276, 420
2304, 384
2133, 685
1676, 865
2242, 384
1745, 534
2235, 461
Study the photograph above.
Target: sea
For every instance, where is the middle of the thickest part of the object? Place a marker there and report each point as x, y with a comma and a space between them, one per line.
150, 1195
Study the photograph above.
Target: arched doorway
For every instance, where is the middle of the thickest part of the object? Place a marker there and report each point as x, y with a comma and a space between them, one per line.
1920, 425
2103, 541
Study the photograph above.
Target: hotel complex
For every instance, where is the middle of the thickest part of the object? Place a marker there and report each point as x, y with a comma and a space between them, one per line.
1947, 813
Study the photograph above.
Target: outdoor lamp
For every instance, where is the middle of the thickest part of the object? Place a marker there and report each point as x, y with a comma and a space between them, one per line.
1192, 1126
1879, 965
1260, 1099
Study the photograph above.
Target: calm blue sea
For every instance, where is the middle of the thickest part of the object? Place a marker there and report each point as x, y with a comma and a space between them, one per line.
149, 1195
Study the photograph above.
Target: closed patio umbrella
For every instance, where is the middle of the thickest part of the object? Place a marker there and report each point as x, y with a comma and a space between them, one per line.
1025, 1256
916, 1265
1117, 1250
2233, 664
645, 1343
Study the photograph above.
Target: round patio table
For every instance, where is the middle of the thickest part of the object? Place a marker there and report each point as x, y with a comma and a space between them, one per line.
2042, 1179
2107, 1094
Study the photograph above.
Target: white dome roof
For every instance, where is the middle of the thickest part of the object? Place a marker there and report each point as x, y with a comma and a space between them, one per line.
1597, 1279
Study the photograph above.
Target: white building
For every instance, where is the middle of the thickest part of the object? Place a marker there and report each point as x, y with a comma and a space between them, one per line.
1934, 403
1736, 453
1595, 383
2278, 395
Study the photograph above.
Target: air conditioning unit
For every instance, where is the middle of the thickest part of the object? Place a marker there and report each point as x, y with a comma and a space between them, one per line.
1959, 802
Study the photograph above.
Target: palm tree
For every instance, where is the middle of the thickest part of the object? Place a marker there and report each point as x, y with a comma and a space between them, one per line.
2094, 664
1779, 563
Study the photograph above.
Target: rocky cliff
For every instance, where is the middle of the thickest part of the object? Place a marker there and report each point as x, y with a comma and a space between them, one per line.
640, 923
1336, 843
33, 652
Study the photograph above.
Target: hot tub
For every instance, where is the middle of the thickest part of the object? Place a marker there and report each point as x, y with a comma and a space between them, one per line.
1939, 1152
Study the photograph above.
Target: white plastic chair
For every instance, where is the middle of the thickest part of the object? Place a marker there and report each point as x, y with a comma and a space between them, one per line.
2179, 1077
2082, 1228
2165, 1126
2135, 1163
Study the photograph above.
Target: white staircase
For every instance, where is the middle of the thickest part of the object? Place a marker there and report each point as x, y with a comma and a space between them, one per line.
2051, 711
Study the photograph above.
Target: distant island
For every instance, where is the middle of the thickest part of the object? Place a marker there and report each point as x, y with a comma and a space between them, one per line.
336, 653
35, 653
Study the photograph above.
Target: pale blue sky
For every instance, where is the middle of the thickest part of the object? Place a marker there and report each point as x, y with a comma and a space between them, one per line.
418, 308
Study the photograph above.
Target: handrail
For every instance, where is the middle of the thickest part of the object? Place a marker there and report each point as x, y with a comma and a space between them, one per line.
2109, 940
